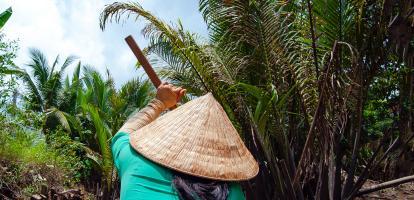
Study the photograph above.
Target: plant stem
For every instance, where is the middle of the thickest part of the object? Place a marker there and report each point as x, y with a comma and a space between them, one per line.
312, 30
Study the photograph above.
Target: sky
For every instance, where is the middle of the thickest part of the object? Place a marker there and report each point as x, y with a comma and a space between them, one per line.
71, 27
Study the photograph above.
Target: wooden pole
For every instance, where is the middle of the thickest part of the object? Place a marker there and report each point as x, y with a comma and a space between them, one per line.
387, 184
143, 60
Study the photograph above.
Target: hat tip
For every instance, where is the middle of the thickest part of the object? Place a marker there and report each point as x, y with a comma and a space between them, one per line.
209, 95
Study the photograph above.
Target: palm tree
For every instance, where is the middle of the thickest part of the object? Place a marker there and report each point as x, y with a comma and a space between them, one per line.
70, 91
94, 104
67, 107
45, 83
45, 87
106, 109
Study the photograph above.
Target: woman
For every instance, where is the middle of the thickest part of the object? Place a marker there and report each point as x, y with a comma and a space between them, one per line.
151, 176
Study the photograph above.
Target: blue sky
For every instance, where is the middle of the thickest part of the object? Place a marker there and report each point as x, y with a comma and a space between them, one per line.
71, 27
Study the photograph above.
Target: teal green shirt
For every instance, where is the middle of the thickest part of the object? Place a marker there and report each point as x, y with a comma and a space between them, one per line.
143, 179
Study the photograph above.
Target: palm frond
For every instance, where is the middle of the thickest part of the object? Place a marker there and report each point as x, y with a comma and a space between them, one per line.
30, 84
39, 65
68, 97
103, 136
137, 93
159, 31
60, 116
76, 72
263, 44
68, 61
52, 70
99, 87
4, 16
334, 22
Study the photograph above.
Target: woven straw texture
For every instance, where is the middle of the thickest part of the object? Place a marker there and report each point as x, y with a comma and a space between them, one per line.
198, 139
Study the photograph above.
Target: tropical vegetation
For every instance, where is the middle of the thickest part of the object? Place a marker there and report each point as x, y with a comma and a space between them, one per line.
320, 91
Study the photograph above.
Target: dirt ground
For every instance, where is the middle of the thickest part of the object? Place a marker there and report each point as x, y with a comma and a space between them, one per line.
401, 192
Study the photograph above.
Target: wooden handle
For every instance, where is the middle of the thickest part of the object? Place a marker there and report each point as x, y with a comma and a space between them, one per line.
144, 62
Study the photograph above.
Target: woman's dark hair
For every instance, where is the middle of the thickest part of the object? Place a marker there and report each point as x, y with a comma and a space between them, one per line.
194, 188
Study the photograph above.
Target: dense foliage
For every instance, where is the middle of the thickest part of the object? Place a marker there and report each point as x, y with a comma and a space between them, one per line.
63, 123
316, 88
320, 91
29, 163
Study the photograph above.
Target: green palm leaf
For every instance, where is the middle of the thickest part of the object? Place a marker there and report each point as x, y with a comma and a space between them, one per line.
161, 34
31, 86
40, 66
103, 136
5, 16
335, 21
137, 93
99, 87
60, 116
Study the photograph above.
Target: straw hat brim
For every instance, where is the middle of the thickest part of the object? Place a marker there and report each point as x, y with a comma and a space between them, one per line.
197, 139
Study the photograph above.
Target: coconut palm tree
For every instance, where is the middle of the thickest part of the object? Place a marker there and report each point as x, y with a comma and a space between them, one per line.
45, 82
93, 100
44, 85
106, 109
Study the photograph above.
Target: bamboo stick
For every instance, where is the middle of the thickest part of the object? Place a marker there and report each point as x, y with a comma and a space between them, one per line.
385, 185
144, 62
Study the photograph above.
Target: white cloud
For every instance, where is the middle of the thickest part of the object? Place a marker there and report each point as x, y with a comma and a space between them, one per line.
43, 24
71, 27
30, 20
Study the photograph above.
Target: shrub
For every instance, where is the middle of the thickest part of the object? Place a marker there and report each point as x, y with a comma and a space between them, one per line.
27, 163
73, 153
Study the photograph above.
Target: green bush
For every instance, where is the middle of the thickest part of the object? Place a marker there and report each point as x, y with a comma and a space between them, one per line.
27, 162
73, 153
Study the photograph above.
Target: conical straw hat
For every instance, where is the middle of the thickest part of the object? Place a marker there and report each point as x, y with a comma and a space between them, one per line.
198, 139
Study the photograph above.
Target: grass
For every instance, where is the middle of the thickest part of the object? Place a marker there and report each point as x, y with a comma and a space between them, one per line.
27, 162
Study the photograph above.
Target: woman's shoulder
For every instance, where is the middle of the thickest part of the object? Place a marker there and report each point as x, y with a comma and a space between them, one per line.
119, 136
133, 163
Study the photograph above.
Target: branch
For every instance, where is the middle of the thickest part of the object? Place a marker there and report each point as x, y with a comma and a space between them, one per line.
311, 134
384, 185
368, 170
312, 30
